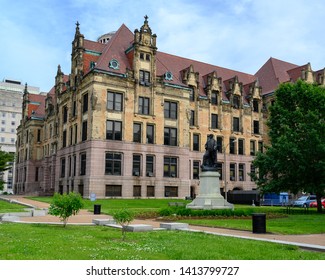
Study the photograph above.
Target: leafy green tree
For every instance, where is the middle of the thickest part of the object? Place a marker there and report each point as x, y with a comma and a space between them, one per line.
295, 159
123, 217
65, 205
5, 159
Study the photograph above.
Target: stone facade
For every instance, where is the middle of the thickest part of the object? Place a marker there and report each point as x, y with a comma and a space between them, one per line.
129, 121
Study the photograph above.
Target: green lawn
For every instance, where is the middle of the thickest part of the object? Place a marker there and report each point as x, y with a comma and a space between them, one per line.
6, 207
54, 242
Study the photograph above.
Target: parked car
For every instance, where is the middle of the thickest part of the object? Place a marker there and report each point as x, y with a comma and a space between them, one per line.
304, 201
314, 203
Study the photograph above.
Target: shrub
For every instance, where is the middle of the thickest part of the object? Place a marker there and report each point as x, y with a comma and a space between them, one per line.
123, 217
65, 205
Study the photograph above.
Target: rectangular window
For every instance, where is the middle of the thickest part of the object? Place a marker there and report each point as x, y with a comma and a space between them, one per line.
75, 134
241, 172
214, 121
232, 172
74, 108
84, 131
85, 103
136, 168
74, 165
149, 166
170, 110
255, 105
236, 101
36, 174
137, 132
192, 119
214, 98
113, 163
136, 191
65, 114
219, 144
260, 146
256, 127
62, 167
144, 78
64, 138
113, 190
170, 167
69, 166
171, 191
196, 169
150, 134
232, 146
38, 135
114, 101
170, 136
196, 142
144, 106
241, 146
192, 94
252, 148
252, 172
71, 134
83, 164
114, 130
150, 191
235, 124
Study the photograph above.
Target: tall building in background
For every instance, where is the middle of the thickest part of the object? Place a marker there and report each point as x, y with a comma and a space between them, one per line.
130, 121
11, 95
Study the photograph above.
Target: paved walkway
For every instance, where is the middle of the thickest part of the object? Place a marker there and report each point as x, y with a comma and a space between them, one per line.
310, 241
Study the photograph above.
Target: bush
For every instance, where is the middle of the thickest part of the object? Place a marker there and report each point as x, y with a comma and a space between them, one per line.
123, 217
65, 206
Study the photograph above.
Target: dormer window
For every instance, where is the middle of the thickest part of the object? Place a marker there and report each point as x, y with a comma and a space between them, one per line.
169, 76
114, 64
236, 102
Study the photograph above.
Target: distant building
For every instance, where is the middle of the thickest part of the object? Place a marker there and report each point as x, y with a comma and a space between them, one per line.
11, 93
130, 121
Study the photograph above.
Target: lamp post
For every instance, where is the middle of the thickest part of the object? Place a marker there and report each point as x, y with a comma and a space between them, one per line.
224, 160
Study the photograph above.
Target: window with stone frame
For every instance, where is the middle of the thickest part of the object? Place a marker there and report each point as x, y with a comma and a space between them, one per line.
150, 134
232, 175
170, 136
196, 169
83, 163
214, 121
241, 172
170, 167
196, 142
235, 124
137, 132
170, 110
214, 97
136, 165
113, 163
171, 191
236, 102
144, 105
150, 170
115, 101
241, 146
255, 105
252, 148
113, 130
256, 127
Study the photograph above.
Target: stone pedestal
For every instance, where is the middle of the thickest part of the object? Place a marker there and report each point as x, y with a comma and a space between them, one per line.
209, 195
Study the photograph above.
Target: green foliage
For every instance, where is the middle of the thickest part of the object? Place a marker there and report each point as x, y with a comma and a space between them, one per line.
184, 212
65, 205
5, 159
295, 160
123, 217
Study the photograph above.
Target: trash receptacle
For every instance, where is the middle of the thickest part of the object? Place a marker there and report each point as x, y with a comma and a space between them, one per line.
259, 223
97, 209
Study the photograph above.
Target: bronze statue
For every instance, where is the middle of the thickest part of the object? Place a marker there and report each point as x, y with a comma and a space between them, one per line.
210, 155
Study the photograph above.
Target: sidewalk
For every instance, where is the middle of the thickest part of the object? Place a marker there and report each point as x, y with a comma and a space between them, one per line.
309, 241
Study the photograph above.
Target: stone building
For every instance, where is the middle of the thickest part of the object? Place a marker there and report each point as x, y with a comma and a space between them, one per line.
130, 121
11, 92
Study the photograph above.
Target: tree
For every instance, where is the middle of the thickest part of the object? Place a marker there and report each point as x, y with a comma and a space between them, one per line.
123, 217
65, 206
5, 164
295, 159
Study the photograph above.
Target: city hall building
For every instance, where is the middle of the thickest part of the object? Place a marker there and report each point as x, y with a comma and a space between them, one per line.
130, 121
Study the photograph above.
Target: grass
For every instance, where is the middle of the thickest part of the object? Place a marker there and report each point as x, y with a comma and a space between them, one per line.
6, 207
53, 242
291, 224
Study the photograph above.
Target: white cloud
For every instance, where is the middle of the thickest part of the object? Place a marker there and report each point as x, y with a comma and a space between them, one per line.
237, 34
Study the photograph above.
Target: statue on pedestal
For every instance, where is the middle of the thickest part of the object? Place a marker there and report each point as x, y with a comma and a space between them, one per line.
210, 155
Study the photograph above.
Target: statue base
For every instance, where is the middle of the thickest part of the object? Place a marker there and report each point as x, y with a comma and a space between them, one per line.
209, 196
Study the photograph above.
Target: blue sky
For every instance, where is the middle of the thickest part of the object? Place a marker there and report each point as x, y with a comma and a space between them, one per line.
242, 35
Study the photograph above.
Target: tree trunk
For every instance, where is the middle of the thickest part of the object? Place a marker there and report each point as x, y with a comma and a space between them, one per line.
319, 202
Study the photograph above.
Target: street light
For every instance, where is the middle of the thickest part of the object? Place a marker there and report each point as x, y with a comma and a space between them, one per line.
224, 160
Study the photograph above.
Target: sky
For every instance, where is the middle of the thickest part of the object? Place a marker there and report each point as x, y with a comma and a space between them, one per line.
242, 35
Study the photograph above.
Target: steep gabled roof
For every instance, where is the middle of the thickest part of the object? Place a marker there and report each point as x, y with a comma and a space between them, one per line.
36, 105
272, 73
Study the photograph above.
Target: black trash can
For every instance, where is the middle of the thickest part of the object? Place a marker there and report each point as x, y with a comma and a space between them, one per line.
97, 209
259, 223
